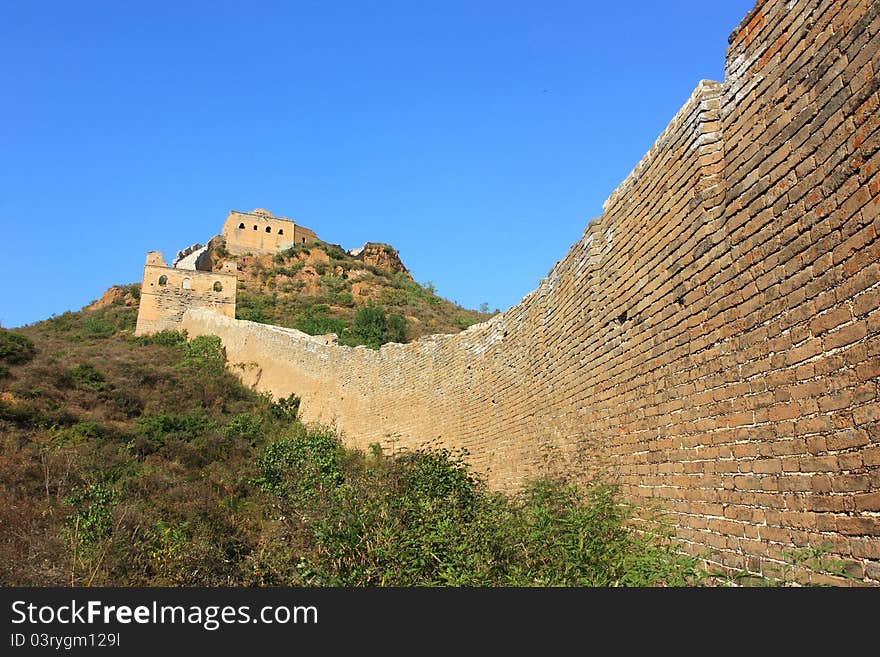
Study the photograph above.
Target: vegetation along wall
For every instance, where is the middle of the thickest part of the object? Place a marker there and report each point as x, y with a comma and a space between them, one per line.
713, 340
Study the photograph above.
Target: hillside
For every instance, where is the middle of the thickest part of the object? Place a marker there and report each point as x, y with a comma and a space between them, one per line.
369, 298
130, 461
319, 288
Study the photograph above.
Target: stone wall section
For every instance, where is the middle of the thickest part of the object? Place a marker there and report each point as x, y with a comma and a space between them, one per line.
711, 342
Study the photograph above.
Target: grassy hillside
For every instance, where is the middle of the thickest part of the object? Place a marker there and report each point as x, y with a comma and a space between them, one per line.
141, 461
318, 288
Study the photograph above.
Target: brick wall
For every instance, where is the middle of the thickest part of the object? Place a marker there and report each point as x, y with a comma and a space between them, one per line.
712, 340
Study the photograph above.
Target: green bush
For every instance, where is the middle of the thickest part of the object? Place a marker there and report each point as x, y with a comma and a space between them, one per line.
253, 315
288, 271
244, 425
373, 328
84, 375
159, 427
203, 354
316, 322
91, 521
166, 338
344, 299
256, 307
394, 296
422, 518
301, 468
95, 327
285, 409
128, 403
75, 433
15, 348
575, 537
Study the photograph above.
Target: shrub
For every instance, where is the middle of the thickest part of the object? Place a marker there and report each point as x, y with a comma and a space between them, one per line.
285, 409
128, 403
15, 348
373, 328
256, 307
203, 354
299, 469
75, 433
422, 518
394, 296
582, 537
344, 299
97, 327
317, 322
244, 425
166, 338
84, 375
91, 521
289, 271
253, 315
159, 427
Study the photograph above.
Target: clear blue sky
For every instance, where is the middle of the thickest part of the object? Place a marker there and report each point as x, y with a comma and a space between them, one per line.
479, 138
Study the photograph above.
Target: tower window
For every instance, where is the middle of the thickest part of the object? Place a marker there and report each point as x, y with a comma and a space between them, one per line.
241, 225
163, 280
218, 286
255, 226
281, 231
268, 229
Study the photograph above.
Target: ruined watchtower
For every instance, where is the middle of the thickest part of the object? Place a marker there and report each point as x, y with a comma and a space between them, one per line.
260, 232
167, 292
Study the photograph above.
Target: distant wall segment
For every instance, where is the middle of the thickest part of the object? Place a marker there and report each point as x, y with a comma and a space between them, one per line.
713, 339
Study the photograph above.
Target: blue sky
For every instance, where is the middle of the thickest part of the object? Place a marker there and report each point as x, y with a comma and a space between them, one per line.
477, 137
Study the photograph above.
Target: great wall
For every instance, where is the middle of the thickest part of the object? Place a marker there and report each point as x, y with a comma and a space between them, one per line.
711, 342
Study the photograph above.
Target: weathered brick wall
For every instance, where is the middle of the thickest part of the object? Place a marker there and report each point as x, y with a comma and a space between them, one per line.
711, 341
167, 292
796, 289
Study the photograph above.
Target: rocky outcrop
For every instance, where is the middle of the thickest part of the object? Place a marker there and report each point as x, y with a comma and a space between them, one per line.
114, 295
381, 256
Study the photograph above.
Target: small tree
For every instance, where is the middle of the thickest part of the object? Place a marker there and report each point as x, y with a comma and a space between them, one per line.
373, 327
370, 325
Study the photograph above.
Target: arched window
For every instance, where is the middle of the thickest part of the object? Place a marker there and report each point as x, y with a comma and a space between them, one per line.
241, 225
187, 284
268, 229
255, 226
163, 280
281, 231
304, 240
218, 286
